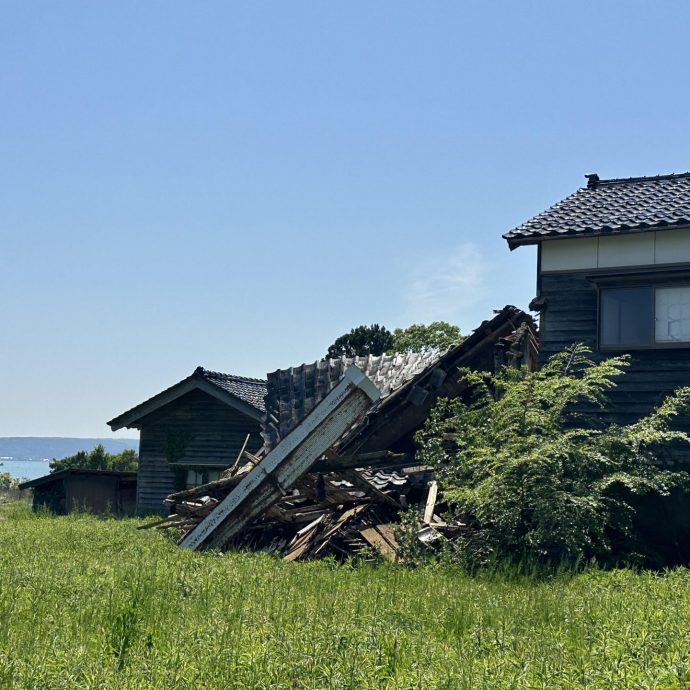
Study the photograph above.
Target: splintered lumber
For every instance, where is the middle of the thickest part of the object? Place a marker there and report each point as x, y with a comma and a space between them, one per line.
205, 489
382, 538
287, 462
430, 502
302, 540
378, 459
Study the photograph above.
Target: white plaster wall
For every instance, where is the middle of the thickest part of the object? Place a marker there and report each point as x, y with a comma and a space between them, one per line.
564, 255
639, 249
626, 250
672, 246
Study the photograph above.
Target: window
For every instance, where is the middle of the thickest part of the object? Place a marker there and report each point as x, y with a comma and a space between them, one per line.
644, 316
202, 475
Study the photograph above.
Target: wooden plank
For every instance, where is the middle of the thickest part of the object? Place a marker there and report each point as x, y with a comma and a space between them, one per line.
430, 502
287, 462
378, 459
388, 533
376, 540
236, 464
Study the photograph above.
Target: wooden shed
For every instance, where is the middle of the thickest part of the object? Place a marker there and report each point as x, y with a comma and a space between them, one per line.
192, 431
94, 491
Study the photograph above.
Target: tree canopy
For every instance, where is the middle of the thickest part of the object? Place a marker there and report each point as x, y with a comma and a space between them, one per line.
98, 459
418, 337
533, 475
362, 341
377, 340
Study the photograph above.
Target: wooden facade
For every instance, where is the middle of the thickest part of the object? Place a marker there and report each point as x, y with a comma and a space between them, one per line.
571, 314
94, 491
194, 434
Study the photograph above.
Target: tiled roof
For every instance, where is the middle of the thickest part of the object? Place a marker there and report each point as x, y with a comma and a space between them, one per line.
611, 206
251, 391
293, 393
247, 391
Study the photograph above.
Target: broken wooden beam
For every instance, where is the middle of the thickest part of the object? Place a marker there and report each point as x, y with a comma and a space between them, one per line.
378, 459
287, 462
430, 503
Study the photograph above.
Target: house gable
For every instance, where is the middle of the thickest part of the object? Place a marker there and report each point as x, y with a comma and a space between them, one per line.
242, 393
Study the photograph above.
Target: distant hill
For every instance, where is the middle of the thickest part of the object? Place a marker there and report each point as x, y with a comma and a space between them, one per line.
49, 447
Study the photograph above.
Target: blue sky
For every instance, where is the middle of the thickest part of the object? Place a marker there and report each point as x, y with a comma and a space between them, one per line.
236, 184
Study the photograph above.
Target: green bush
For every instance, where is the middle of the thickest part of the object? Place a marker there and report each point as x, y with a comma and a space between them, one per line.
7, 481
536, 476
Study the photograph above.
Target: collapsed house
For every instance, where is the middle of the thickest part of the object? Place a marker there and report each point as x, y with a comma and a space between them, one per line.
338, 462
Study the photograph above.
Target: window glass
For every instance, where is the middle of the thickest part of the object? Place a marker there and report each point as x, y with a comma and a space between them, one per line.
627, 316
672, 315
197, 477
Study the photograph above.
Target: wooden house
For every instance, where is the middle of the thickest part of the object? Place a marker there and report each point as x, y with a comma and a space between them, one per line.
192, 431
95, 491
613, 272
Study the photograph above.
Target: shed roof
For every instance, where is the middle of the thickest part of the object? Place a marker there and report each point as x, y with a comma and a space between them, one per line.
614, 206
63, 474
241, 392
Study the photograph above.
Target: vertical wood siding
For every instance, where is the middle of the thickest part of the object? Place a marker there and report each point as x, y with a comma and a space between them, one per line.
209, 432
571, 316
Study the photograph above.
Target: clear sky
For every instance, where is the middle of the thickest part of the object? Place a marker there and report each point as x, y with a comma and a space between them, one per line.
234, 184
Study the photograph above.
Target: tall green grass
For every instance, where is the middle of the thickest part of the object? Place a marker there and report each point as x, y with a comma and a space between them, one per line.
91, 603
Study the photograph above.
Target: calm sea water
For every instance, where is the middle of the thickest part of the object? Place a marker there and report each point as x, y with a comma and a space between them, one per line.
25, 469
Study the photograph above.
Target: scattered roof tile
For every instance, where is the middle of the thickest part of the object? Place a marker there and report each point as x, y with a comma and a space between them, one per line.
630, 204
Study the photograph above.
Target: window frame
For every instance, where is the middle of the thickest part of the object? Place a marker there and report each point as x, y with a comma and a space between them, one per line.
654, 285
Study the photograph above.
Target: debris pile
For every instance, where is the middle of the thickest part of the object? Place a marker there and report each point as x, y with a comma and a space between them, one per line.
348, 513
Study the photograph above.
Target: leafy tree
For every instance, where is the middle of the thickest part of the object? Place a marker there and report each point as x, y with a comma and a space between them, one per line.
363, 340
98, 459
418, 337
7, 481
533, 477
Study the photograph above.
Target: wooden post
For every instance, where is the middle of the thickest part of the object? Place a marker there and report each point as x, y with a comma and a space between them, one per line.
287, 462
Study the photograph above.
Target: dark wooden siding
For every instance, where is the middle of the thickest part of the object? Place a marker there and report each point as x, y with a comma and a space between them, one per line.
198, 430
571, 315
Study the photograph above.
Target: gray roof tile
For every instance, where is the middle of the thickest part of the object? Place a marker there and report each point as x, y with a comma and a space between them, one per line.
611, 206
249, 390
293, 393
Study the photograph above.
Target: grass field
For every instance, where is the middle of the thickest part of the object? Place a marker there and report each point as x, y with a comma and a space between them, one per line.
89, 603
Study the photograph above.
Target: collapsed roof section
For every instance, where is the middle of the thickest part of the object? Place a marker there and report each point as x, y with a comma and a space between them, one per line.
409, 383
